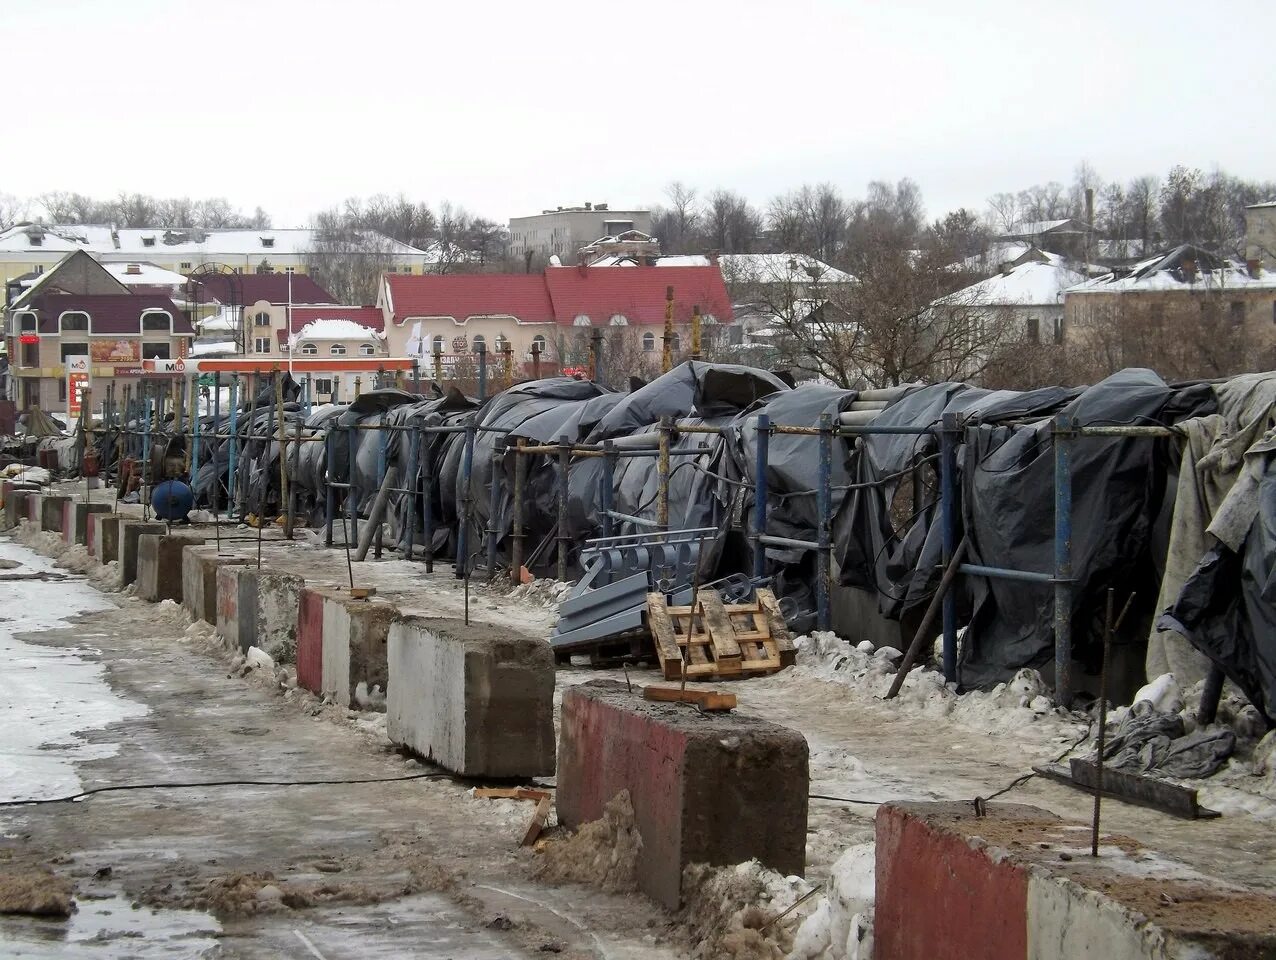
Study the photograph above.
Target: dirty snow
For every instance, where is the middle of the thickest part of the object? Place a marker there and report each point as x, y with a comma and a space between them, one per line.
52, 694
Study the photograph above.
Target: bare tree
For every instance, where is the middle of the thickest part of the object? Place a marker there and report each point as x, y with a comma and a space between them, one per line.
12, 210
346, 261
677, 225
731, 224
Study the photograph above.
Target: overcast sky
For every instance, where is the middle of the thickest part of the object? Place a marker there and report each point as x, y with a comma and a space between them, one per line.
508, 107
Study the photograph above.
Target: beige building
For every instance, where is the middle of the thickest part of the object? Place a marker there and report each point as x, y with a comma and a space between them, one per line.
564, 231
1260, 232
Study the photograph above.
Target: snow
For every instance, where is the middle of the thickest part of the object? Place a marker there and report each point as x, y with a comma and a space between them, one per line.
51, 694
1163, 693
214, 348
841, 926
778, 268
1233, 277
227, 319
148, 274
1029, 284
335, 328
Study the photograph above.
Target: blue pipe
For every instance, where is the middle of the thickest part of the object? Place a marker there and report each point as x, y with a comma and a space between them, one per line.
1063, 426
232, 487
414, 453
482, 371
763, 429
352, 505
948, 438
1003, 573
146, 450
494, 491
330, 495
824, 506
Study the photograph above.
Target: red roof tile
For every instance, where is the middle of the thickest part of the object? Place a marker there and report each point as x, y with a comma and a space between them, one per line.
636, 293
561, 294
465, 295
245, 289
108, 313
369, 317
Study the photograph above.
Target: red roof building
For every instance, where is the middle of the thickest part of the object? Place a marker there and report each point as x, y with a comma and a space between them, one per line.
245, 289
108, 313
369, 317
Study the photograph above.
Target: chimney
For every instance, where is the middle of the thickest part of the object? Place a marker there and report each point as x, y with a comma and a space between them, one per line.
1255, 267
1006, 268
588, 205
582, 268
1089, 206
713, 258
1188, 266
133, 269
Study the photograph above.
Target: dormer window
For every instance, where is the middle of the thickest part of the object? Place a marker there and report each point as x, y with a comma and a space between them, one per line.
28, 321
37, 239
157, 320
267, 241
148, 241
75, 321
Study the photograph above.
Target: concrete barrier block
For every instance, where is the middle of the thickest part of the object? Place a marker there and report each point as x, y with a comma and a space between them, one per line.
477, 699
1020, 883
237, 606
278, 596
16, 505
75, 519
706, 788
341, 642
199, 580
159, 565
34, 504
130, 532
104, 536
51, 510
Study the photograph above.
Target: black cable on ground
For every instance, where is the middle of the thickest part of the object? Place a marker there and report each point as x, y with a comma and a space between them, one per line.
221, 783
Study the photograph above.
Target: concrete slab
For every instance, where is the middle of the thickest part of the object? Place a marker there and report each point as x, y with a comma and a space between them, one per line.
75, 519
716, 788
1020, 883
258, 608
199, 580
130, 532
34, 504
159, 565
477, 700
341, 642
51, 508
237, 606
16, 505
104, 536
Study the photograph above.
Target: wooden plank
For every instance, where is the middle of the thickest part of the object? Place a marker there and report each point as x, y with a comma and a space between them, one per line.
510, 793
362, 593
662, 631
708, 700
537, 823
1132, 788
725, 649
779, 631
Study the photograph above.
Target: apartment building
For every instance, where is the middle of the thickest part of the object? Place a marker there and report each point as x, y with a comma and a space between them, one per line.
564, 231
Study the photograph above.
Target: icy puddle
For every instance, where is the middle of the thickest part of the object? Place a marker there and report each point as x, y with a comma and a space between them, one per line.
49, 694
112, 930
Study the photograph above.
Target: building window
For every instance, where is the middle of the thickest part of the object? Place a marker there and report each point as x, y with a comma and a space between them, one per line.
538, 343
236, 269
287, 269
185, 265
367, 350
619, 320
582, 321
62, 389
501, 343
1058, 329
148, 241
437, 345
309, 350
155, 351
324, 385
675, 343
73, 350
261, 318
338, 350
267, 241
1034, 330
649, 342
156, 320
261, 345
480, 342
75, 322
406, 269
1237, 309
28, 322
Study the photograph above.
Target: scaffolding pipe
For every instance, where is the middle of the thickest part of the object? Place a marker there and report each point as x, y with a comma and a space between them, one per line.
516, 510
564, 476
607, 486
662, 474
493, 506
1063, 427
824, 502
948, 437
463, 528
762, 427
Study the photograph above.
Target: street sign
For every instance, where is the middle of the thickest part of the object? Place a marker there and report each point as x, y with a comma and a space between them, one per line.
77, 382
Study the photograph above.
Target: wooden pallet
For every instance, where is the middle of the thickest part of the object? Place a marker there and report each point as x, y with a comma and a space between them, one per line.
716, 641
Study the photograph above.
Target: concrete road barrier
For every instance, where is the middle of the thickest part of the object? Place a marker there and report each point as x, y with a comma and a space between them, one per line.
1020, 883
16, 506
716, 788
51, 509
104, 536
199, 580
477, 699
159, 565
34, 507
130, 532
75, 519
257, 608
341, 642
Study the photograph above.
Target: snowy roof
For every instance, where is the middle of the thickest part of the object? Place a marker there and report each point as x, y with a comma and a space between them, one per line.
1261, 206
141, 242
335, 329
779, 268
147, 274
209, 348
674, 260
1036, 228
1032, 283
1165, 272
224, 320
992, 258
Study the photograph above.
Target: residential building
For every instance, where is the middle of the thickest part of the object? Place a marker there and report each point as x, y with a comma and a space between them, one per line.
252, 310
77, 308
34, 247
770, 291
1186, 313
450, 314
1260, 232
562, 232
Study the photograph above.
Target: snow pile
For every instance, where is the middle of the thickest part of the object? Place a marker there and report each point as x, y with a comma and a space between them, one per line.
373, 699
1164, 693
841, 927
24, 474
731, 912
602, 854
543, 592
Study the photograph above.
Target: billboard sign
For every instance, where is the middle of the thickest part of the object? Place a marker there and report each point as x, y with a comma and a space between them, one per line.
77, 382
116, 351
